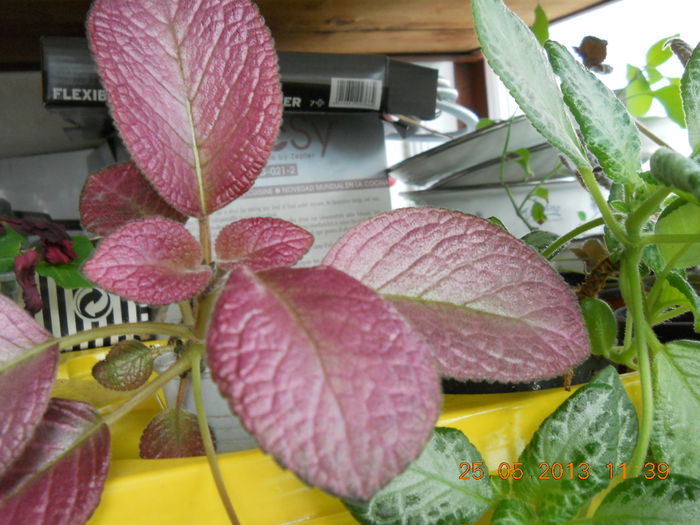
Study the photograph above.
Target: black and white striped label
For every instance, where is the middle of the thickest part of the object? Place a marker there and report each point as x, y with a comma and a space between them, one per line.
72, 311
355, 93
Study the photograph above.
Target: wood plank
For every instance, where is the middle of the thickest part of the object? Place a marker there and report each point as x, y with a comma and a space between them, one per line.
333, 26
391, 27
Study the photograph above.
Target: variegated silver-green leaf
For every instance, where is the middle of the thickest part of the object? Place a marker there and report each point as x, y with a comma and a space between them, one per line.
673, 169
513, 512
595, 426
518, 59
638, 501
676, 430
690, 92
430, 490
606, 125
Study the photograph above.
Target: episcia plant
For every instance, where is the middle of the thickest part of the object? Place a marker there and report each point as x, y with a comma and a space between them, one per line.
336, 368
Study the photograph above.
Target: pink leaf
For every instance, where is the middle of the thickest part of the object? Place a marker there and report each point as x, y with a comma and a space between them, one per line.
172, 434
194, 90
26, 379
59, 478
330, 379
151, 261
488, 305
261, 243
120, 194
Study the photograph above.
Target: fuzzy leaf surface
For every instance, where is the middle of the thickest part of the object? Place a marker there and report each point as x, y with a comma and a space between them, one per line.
606, 125
120, 194
673, 169
674, 500
513, 512
690, 94
676, 430
326, 375
489, 307
26, 379
193, 88
172, 434
151, 261
596, 425
127, 366
261, 243
429, 490
680, 217
59, 478
600, 323
518, 59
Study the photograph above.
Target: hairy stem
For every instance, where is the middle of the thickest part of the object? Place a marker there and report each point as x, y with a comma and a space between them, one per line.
670, 238
553, 248
147, 390
610, 220
195, 360
640, 216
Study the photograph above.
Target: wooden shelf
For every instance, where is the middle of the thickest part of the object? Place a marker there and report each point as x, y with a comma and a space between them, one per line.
333, 26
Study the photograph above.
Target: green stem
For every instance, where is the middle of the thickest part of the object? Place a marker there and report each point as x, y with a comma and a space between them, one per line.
179, 367
640, 216
610, 220
660, 317
661, 277
670, 238
650, 134
195, 360
186, 312
570, 236
635, 304
501, 177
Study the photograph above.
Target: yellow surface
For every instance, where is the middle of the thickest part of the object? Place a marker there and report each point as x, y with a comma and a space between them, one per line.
181, 491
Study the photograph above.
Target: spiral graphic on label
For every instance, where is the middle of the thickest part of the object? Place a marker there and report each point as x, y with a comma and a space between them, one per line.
92, 304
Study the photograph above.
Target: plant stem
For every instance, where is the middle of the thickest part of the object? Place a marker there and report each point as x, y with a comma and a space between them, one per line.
635, 303
650, 134
186, 312
606, 212
179, 367
195, 361
205, 238
570, 236
501, 178
640, 216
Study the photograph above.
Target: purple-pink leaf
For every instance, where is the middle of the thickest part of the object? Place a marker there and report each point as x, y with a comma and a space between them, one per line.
59, 478
261, 243
487, 304
151, 261
120, 194
326, 374
26, 378
172, 434
194, 90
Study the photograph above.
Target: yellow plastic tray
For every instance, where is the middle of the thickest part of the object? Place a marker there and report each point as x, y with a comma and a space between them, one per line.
181, 491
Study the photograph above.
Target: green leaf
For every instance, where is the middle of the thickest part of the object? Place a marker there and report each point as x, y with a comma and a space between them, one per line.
673, 169
659, 53
127, 366
606, 125
523, 158
680, 283
680, 217
581, 215
513, 512
653, 75
676, 376
484, 123
538, 213
690, 93
518, 59
670, 98
601, 325
595, 426
69, 275
430, 490
638, 96
10, 247
498, 222
540, 27
541, 192
638, 501
539, 239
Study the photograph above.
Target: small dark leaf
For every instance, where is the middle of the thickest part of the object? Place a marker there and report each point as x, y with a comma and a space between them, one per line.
638, 501
593, 51
430, 489
172, 434
127, 366
59, 477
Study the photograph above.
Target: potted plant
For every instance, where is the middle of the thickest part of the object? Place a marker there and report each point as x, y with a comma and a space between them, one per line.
335, 369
